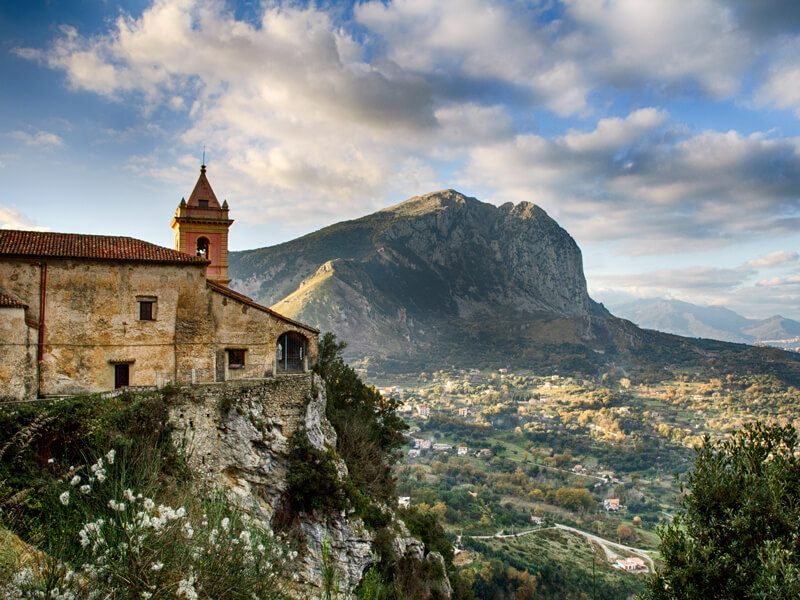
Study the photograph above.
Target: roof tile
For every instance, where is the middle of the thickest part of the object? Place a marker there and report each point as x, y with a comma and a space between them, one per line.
47, 244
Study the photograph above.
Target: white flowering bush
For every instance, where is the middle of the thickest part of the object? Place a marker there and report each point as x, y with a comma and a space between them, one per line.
120, 543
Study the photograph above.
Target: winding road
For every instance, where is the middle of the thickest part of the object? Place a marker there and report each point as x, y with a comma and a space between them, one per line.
607, 545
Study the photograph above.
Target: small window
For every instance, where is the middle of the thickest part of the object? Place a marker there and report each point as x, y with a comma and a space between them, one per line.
202, 246
147, 309
235, 358
202, 203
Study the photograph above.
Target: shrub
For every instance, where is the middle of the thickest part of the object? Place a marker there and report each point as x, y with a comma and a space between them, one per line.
737, 535
368, 429
313, 480
107, 540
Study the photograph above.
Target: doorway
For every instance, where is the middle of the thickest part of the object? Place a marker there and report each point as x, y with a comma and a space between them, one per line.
121, 376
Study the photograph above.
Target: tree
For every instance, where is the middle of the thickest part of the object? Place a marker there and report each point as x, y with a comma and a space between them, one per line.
737, 534
624, 532
577, 499
369, 430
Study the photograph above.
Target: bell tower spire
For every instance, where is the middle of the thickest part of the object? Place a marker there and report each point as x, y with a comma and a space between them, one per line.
201, 227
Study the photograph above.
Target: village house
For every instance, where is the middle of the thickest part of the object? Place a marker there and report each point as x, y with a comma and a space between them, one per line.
611, 504
89, 313
462, 450
633, 564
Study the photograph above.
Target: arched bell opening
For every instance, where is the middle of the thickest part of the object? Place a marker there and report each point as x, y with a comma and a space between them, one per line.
202, 246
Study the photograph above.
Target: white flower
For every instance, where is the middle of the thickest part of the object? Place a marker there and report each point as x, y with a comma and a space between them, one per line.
64, 498
186, 588
50, 461
149, 504
101, 476
116, 506
157, 566
129, 495
225, 523
85, 489
146, 595
75, 480
187, 530
110, 456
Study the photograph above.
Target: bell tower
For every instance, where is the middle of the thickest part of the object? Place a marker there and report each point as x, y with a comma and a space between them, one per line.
201, 227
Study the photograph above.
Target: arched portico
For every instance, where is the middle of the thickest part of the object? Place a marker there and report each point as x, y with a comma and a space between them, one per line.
291, 353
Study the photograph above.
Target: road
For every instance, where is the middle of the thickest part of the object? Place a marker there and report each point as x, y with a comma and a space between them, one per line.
607, 545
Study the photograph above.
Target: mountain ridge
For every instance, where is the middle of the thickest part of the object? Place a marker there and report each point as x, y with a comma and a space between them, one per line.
445, 279
715, 322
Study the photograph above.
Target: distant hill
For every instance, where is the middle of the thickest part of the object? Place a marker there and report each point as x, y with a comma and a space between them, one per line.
444, 279
715, 322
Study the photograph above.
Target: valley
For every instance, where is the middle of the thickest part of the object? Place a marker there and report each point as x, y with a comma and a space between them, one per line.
563, 476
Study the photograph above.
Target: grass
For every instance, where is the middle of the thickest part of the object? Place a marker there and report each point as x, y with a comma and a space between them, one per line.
569, 564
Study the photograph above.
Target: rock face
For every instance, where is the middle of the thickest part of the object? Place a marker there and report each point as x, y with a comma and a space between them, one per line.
405, 278
236, 436
443, 280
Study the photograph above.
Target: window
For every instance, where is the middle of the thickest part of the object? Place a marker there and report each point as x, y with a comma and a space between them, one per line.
147, 308
202, 246
202, 203
236, 358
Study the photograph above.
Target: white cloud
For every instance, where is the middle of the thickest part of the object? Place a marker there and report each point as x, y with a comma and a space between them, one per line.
663, 42
307, 122
778, 258
39, 139
780, 281
642, 182
13, 219
780, 87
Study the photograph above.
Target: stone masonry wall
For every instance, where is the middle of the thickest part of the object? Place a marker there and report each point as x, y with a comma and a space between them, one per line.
17, 355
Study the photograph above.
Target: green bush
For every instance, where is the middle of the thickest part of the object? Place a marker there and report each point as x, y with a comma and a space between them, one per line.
369, 431
127, 523
313, 481
737, 535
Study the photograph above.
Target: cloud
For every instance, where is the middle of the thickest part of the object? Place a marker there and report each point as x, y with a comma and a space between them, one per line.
629, 42
39, 139
690, 278
780, 281
308, 119
780, 87
13, 219
643, 178
463, 46
778, 258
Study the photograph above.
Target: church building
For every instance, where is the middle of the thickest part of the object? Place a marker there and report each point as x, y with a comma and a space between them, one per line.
89, 313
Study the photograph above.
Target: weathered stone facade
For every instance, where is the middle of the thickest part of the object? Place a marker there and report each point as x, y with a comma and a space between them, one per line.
81, 326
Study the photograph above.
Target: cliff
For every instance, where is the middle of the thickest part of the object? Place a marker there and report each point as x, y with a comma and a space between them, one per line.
427, 275
444, 279
237, 437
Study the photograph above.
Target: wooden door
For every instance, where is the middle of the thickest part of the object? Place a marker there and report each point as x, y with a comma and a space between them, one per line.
121, 375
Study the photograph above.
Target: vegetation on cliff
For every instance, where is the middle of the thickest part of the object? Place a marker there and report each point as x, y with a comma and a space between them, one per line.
97, 487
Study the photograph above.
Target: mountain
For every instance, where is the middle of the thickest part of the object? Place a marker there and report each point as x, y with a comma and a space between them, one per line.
715, 322
444, 279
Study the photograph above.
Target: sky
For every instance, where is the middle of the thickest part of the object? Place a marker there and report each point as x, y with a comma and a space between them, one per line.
663, 135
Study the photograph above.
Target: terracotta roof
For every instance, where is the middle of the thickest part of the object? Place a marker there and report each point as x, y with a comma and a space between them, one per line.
7, 301
202, 191
72, 245
226, 291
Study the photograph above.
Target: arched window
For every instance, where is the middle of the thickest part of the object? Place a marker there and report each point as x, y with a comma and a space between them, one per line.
202, 246
291, 353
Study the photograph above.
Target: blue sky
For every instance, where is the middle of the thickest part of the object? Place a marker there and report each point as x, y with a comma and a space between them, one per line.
664, 136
